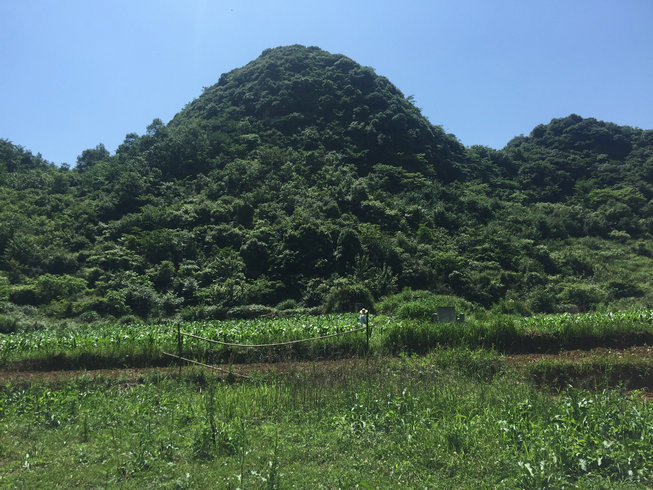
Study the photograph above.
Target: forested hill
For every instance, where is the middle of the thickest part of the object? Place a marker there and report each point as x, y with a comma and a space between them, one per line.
312, 102
574, 156
305, 180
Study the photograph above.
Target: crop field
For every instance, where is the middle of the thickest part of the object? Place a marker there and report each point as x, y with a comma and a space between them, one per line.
429, 405
117, 345
143, 344
589, 326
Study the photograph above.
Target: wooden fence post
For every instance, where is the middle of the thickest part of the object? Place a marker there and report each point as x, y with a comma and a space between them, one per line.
179, 346
367, 331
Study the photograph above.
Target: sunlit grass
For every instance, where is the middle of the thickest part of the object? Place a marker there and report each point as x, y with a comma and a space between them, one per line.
451, 419
144, 344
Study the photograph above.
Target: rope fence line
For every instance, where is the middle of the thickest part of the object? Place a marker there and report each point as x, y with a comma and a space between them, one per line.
258, 346
364, 319
207, 365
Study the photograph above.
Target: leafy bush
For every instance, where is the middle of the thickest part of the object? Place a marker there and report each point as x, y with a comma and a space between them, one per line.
129, 320
250, 311
346, 296
141, 298
8, 324
203, 312
115, 303
585, 296
287, 304
420, 305
50, 287
23, 295
624, 289
511, 307
89, 317
170, 303
541, 300
299, 311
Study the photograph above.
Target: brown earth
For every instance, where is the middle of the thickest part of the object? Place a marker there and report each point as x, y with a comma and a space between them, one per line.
133, 374
579, 355
629, 369
574, 358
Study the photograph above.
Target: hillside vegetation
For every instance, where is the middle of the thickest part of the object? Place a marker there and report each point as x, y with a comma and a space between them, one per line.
304, 180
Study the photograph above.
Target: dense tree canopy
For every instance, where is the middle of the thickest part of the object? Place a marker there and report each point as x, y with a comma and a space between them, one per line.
304, 175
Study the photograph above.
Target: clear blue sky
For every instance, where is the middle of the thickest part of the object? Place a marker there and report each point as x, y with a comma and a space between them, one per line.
79, 72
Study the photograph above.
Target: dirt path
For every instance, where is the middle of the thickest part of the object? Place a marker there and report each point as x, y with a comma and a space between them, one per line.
133, 374
577, 355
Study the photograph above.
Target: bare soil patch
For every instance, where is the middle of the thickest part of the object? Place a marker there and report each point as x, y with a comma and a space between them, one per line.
629, 368
584, 355
134, 374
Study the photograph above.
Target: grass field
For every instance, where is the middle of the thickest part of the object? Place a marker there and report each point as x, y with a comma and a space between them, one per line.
433, 406
450, 419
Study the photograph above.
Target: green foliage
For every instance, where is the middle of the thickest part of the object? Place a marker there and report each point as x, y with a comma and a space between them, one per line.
49, 287
250, 311
8, 323
451, 419
303, 172
116, 303
91, 156
203, 312
23, 295
582, 295
421, 305
590, 328
500, 333
287, 304
130, 342
347, 296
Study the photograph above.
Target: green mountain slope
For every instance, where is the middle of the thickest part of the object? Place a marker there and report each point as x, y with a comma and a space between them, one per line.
573, 156
308, 180
308, 99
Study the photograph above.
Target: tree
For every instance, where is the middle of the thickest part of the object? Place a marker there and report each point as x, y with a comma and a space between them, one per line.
130, 140
91, 156
155, 127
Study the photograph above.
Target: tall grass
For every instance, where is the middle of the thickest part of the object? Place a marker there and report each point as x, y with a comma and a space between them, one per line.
593, 372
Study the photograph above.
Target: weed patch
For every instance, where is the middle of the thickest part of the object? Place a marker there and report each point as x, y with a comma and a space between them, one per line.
452, 418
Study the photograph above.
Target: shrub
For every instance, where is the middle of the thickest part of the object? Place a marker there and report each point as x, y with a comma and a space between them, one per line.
203, 312
287, 304
141, 298
90, 317
50, 287
541, 300
346, 296
8, 324
170, 303
250, 311
129, 320
585, 296
23, 295
420, 305
622, 289
315, 292
114, 302
511, 307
